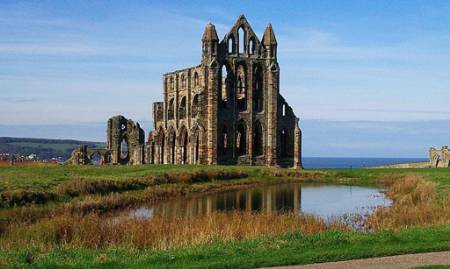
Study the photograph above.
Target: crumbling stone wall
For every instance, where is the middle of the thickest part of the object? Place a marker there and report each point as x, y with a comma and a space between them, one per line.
439, 158
84, 155
126, 141
228, 109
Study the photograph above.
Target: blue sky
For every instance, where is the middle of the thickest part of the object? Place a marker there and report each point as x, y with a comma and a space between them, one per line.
344, 65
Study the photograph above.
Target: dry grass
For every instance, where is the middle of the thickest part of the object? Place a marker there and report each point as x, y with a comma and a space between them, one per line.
414, 204
94, 231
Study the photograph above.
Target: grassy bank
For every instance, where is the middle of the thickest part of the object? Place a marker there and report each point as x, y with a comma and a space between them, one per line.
291, 248
70, 230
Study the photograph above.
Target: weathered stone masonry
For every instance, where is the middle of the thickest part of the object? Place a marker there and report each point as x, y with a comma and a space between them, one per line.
228, 109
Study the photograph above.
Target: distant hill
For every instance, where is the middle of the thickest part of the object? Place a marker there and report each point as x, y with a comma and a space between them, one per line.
45, 149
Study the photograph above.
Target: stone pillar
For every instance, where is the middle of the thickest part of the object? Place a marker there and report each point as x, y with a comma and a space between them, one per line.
212, 90
272, 75
297, 146
250, 110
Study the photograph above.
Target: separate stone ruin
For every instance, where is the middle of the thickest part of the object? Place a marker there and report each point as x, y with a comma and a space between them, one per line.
126, 141
84, 155
228, 109
439, 158
125, 145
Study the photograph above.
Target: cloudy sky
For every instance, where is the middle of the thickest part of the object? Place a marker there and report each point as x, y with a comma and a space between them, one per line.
367, 78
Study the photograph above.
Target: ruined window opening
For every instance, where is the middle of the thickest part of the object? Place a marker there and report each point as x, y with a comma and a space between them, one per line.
258, 90
225, 137
251, 46
184, 146
123, 127
225, 85
152, 154
172, 85
284, 110
197, 149
123, 149
182, 109
258, 139
96, 159
283, 141
170, 111
183, 81
159, 113
230, 44
241, 88
241, 140
161, 148
196, 105
172, 149
196, 79
241, 42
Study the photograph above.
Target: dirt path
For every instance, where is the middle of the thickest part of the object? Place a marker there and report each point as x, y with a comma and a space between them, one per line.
392, 262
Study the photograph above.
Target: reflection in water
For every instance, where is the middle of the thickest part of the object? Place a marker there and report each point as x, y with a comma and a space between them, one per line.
321, 200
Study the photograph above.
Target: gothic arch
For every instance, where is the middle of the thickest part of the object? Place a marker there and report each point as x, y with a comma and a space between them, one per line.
182, 108
241, 39
183, 142
171, 145
284, 143
226, 82
230, 44
258, 139
195, 105
161, 142
251, 46
171, 109
241, 86
196, 80
224, 138
197, 133
241, 138
258, 89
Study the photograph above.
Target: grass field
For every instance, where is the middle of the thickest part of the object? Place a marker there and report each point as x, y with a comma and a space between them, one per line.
417, 222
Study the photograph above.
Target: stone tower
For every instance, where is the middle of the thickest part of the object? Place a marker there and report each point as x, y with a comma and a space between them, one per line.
228, 109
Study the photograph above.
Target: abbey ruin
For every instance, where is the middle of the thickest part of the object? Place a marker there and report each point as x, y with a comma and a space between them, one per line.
439, 158
226, 110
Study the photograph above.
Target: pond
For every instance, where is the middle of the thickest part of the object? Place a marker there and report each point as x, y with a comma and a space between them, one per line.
326, 201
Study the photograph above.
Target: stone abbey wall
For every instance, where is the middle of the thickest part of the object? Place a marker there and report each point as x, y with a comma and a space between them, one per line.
440, 158
228, 109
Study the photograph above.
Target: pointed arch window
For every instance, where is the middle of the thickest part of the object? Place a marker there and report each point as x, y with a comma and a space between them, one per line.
258, 93
195, 105
183, 81
182, 108
225, 85
241, 88
251, 46
170, 110
241, 40
241, 139
172, 84
230, 44
258, 139
196, 80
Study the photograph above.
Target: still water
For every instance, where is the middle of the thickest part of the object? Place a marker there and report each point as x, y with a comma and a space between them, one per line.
326, 201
